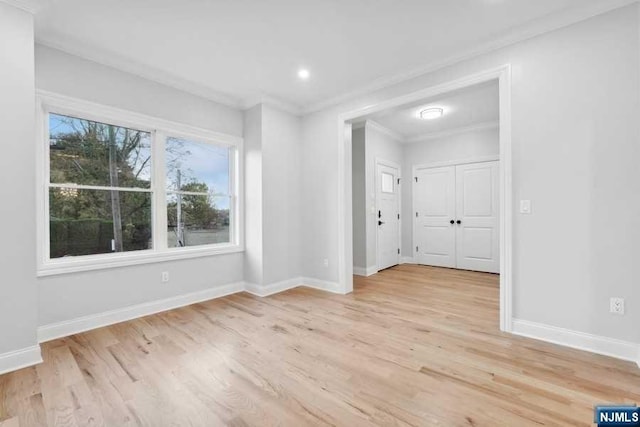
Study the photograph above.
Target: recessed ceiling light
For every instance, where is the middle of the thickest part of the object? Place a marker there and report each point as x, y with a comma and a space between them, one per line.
303, 74
431, 113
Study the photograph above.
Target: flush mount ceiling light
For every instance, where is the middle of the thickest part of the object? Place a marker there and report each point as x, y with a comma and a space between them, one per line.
304, 74
431, 113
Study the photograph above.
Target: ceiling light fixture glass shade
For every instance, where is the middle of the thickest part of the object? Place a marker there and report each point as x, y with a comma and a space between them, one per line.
431, 113
304, 74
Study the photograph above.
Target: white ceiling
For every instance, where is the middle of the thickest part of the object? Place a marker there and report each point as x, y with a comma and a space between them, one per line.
476, 106
241, 51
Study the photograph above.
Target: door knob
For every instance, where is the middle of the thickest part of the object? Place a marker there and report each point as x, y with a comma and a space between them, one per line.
458, 222
380, 222
452, 222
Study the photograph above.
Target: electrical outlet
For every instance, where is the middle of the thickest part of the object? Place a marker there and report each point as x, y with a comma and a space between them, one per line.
164, 277
616, 306
326, 262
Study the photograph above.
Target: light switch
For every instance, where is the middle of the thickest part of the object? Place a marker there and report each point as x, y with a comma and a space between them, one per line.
525, 207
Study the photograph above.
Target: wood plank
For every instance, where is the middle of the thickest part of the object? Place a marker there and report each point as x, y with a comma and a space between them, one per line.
411, 346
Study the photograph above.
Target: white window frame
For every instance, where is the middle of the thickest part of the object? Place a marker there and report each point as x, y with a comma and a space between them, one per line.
160, 130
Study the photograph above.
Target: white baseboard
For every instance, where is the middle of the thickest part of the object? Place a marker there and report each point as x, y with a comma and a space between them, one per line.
407, 260
322, 285
366, 272
273, 288
285, 285
82, 324
19, 359
619, 349
86, 323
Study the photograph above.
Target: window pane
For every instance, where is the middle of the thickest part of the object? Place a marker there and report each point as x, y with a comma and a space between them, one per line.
201, 220
85, 222
91, 153
387, 182
197, 167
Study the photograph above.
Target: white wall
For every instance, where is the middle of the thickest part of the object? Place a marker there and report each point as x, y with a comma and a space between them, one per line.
253, 265
282, 188
575, 99
462, 146
273, 189
359, 198
18, 290
69, 296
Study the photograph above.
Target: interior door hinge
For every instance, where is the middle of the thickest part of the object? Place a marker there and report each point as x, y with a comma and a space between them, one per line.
416, 178
416, 249
416, 214
398, 181
398, 251
398, 216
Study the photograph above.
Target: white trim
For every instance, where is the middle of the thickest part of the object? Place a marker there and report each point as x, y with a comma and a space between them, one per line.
517, 34
159, 129
86, 323
619, 349
273, 102
273, 288
479, 159
118, 116
19, 359
285, 285
69, 265
345, 247
323, 285
384, 130
118, 62
407, 260
365, 272
451, 132
30, 6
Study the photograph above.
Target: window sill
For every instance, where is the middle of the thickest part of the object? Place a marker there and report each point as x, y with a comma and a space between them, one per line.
102, 262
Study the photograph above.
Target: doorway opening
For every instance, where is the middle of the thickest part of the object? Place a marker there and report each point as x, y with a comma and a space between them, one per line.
430, 176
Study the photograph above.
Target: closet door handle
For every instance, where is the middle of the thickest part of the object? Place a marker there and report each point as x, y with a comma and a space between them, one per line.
452, 222
458, 222
380, 222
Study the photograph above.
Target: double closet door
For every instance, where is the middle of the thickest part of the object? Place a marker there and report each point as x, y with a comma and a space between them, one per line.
456, 221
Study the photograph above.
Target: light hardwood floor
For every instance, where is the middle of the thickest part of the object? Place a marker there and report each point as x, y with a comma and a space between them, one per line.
412, 346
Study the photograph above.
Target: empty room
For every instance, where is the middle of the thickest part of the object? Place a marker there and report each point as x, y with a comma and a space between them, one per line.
351, 213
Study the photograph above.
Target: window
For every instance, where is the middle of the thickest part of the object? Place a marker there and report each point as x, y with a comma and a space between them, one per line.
198, 198
122, 188
99, 188
387, 182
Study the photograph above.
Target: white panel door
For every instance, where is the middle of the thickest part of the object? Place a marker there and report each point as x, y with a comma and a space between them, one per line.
477, 200
388, 216
434, 231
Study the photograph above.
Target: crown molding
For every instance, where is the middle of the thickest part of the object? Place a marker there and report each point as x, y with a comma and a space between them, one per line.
521, 33
166, 79
370, 124
451, 132
528, 31
271, 101
31, 6
121, 63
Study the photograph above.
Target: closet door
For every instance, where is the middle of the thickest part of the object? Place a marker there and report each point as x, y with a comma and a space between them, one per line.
434, 227
477, 222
